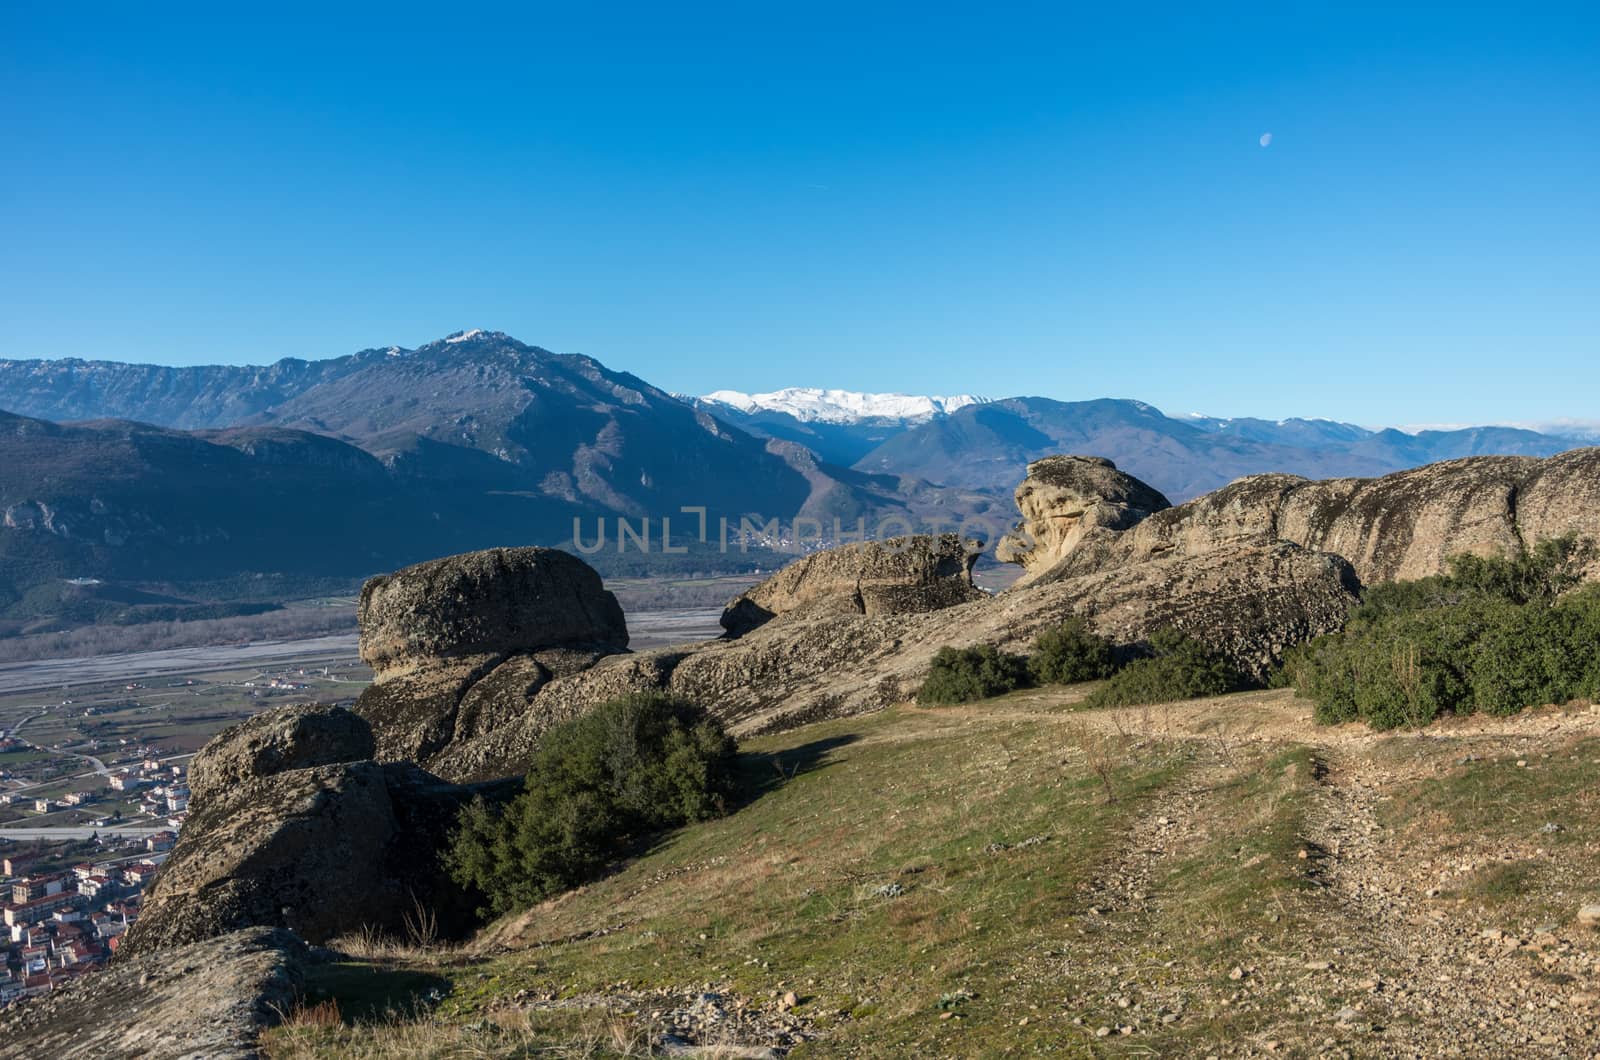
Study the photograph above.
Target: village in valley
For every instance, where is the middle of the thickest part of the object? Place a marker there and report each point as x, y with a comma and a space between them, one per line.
94, 791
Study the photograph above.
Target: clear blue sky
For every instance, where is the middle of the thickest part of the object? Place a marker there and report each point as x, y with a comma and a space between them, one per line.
1068, 200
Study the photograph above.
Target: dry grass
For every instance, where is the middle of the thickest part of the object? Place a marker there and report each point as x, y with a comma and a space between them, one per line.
317, 1033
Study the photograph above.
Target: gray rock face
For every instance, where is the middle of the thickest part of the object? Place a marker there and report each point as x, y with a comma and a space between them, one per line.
497, 602
206, 1001
1248, 601
322, 849
1400, 526
1062, 499
900, 576
279, 740
455, 640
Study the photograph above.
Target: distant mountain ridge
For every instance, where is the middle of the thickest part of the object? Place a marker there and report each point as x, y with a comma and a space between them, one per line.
985, 446
478, 439
390, 456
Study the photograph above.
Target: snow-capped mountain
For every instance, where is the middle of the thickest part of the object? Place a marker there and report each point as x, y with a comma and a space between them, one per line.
815, 405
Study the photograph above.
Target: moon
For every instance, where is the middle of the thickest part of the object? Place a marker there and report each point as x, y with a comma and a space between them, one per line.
1266, 139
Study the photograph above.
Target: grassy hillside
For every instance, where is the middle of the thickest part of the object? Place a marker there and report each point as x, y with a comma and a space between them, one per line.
1024, 876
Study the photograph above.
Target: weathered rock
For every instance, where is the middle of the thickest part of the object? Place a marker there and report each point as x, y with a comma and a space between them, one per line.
1248, 601
322, 850
279, 740
498, 602
1251, 569
453, 641
900, 576
1062, 499
207, 1000
1400, 526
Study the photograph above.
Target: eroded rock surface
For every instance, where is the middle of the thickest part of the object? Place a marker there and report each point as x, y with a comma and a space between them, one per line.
1062, 499
497, 602
1400, 526
205, 1001
322, 850
279, 740
900, 576
458, 640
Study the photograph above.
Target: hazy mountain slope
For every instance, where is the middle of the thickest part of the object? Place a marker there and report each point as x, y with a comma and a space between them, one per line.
187, 397
561, 426
986, 446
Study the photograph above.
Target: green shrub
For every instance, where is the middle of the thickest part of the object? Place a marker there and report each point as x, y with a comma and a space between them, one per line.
961, 675
1070, 653
596, 786
1494, 635
1178, 668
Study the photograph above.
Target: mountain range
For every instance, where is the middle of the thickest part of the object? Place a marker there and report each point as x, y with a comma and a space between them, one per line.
337, 468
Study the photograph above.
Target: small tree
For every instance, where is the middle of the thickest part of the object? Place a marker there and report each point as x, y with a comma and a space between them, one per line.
1070, 653
597, 784
1178, 667
961, 675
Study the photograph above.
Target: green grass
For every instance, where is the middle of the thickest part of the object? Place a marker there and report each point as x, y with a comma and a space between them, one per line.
1542, 817
882, 871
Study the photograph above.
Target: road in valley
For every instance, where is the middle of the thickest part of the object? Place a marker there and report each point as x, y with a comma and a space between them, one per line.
648, 629
77, 832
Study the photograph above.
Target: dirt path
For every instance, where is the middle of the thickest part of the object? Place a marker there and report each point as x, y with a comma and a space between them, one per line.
1416, 972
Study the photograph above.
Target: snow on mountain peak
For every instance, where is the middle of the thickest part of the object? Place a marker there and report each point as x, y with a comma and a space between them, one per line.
816, 405
464, 336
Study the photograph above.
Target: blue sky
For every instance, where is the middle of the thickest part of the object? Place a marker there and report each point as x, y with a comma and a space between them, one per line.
1057, 199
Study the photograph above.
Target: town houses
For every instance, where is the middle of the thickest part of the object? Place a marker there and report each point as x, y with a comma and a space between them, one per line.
59, 923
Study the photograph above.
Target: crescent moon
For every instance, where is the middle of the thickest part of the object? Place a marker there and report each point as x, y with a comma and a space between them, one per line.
1266, 139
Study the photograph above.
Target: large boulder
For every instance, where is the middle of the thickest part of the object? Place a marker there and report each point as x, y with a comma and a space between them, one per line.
491, 603
323, 850
1249, 601
1062, 500
279, 740
207, 1000
900, 576
1398, 527
457, 638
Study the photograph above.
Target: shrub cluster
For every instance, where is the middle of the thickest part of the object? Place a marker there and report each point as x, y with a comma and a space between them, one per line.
1071, 653
961, 675
1178, 667
597, 785
1496, 635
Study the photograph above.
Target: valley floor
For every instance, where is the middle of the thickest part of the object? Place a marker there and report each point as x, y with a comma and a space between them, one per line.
1022, 876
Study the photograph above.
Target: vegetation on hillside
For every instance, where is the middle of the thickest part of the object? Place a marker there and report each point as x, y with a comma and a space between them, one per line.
962, 675
1070, 653
1495, 635
1178, 667
598, 784
1173, 667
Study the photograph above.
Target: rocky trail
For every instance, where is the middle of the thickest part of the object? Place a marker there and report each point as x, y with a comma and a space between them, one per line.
1396, 962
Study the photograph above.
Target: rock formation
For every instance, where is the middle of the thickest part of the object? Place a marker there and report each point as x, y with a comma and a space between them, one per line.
1250, 601
1062, 500
292, 825
1251, 569
205, 1000
455, 642
1400, 526
497, 602
277, 741
900, 576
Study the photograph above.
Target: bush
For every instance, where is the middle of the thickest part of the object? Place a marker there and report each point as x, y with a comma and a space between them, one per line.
597, 785
961, 675
1492, 635
1069, 654
1178, 668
